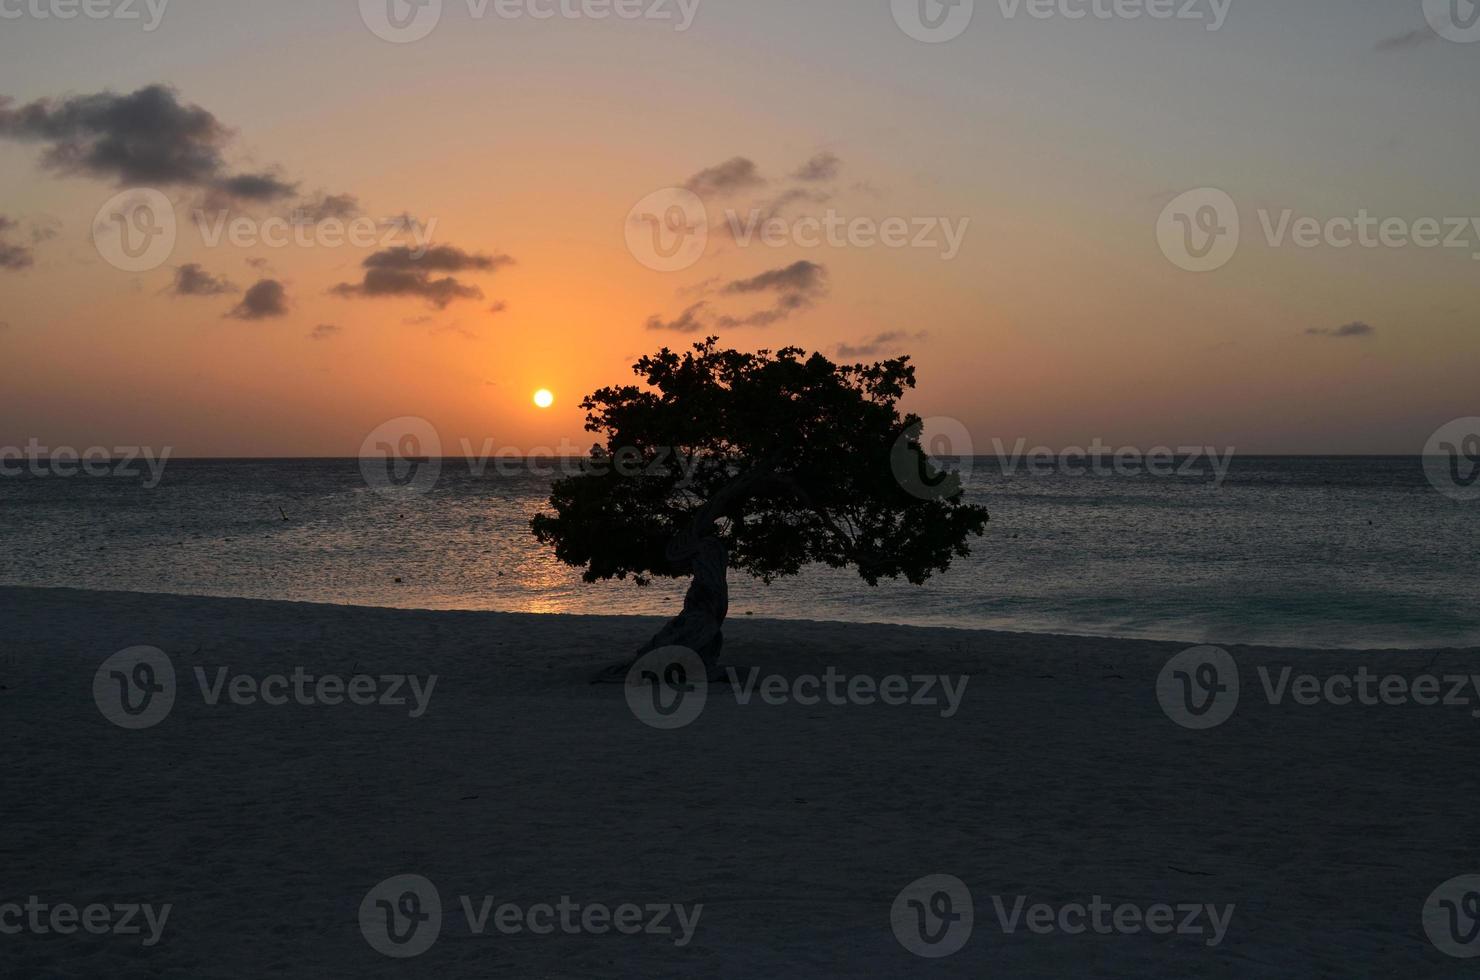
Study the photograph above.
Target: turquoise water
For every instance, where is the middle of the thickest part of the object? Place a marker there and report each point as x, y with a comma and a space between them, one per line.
1310, 551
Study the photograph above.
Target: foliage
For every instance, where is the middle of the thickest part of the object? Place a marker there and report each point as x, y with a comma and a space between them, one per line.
793, 458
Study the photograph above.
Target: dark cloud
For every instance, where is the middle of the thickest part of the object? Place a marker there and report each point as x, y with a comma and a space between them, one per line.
786, 305
824, 166
796, 287
443, 258
499, 307
325, 331
1411, 39
263, 301
1357, 329
145, 137
403, 271
799, 277
192, 280
13, 257
394, 282
733, 175
689, 321
328, 207
254, 188
887, 342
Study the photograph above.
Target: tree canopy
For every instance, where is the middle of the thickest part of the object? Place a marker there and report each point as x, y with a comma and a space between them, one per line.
787, 458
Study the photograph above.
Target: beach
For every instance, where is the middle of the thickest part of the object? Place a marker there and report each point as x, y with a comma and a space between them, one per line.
780, 825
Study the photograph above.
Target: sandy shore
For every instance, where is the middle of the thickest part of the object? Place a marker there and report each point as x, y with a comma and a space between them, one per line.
1055, 775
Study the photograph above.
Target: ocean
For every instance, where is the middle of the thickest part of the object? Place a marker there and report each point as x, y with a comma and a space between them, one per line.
1355, 552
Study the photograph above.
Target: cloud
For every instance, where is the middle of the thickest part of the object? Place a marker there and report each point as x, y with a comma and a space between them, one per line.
402, 271
823, 166
1411, 39
689, 321
328, 207
254, 187
325, 331
192, 280
394, 282
733, 175
13, 257
263, 301
785, 306
879, 344
796, 287
1357, 329
443, 258
146, 137
499, 307
799, 277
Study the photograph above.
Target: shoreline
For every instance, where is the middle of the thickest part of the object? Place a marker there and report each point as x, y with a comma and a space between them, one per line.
735, 621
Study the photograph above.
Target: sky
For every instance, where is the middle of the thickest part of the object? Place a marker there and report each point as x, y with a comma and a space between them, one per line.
503, 173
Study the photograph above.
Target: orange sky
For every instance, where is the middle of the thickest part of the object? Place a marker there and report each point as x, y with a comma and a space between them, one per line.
1059, 321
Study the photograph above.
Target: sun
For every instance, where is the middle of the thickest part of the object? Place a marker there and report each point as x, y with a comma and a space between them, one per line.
544, 398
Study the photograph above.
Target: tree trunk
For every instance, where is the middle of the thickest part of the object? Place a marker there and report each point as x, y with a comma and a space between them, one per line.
700, 626
698, 551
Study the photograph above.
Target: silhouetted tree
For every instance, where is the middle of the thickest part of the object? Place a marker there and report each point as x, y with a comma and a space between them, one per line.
762, 462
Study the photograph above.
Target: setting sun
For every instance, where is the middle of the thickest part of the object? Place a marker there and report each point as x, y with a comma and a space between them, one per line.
544, 398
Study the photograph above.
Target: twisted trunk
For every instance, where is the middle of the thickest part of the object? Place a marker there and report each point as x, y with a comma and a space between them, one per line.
698, 550
700, 625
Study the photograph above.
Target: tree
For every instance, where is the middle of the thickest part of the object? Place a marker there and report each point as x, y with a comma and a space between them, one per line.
761, 462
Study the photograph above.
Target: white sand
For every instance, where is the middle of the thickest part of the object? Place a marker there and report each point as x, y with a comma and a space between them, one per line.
1060, 778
